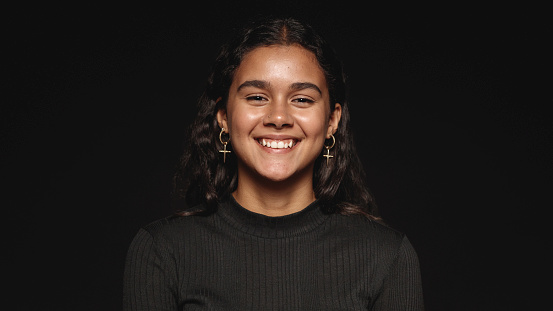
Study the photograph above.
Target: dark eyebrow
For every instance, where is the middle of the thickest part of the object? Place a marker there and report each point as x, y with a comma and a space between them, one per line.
297, 86
304, 85
260, 84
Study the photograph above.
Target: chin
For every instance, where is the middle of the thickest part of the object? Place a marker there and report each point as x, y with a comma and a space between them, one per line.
285, 174
275, 171
275, 176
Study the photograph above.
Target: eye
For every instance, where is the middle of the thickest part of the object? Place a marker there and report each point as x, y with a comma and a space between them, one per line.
303, 100
255, 98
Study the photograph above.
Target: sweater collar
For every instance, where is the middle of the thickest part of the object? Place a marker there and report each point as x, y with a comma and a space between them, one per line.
271, 227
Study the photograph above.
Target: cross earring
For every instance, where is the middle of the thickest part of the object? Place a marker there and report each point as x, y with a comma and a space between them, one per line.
327, 155
224, 151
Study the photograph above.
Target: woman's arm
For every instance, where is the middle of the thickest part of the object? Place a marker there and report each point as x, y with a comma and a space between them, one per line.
149, 278
402, 289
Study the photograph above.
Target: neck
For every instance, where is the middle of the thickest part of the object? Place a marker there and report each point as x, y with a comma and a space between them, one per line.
274, 198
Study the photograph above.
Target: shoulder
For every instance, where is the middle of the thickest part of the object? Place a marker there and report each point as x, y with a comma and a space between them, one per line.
375, 239
362, 229
169, 234
166, 229
174, 225
364, 224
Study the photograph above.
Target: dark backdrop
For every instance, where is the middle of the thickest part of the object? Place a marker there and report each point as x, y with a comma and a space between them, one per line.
449, 112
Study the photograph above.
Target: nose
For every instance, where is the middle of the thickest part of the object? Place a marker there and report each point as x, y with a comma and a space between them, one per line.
278, 115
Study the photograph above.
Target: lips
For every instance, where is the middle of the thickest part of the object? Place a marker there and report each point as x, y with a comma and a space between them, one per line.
277, 143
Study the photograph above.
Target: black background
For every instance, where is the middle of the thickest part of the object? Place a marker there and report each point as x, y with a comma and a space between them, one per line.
449, 106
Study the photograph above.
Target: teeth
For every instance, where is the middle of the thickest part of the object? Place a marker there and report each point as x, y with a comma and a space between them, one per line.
277, 144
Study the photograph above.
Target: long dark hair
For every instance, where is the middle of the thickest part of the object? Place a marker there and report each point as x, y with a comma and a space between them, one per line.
202, 179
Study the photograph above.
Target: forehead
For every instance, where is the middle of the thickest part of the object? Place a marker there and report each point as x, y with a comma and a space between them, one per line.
279, 62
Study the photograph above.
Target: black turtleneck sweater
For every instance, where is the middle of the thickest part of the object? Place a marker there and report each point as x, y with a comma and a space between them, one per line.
235, 259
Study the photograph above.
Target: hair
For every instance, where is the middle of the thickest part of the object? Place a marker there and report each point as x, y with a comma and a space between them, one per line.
203, 180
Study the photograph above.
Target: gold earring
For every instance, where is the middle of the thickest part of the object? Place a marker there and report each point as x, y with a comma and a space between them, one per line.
224, 151
327, 155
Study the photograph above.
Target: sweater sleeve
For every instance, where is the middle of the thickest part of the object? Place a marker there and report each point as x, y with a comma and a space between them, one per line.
149, 276
402, 289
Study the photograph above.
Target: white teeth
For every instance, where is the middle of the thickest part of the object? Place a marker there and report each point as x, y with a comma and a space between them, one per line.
277, 144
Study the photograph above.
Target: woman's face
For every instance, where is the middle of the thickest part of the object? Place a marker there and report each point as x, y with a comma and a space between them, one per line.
278, 114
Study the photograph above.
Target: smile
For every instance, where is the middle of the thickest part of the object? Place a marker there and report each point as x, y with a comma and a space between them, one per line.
277, 144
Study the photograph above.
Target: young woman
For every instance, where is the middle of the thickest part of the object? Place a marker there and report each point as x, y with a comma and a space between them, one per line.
279, 217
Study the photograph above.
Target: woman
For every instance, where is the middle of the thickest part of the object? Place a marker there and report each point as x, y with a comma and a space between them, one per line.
279, 217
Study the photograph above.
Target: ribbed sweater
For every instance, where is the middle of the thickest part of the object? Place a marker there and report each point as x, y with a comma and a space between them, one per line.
235, 259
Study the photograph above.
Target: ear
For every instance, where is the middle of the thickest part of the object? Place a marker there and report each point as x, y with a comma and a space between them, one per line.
334, 120
222, 119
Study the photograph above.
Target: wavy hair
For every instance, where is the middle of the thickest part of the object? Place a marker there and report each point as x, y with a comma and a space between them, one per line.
202, 179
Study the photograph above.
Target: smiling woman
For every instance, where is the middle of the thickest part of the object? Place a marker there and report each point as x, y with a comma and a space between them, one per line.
278, 97
278, 216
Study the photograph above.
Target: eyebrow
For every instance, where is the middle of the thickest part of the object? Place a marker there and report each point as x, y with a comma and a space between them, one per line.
260, 84
305, 85
297, 86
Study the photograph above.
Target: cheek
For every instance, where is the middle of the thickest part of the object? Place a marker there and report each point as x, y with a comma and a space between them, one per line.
242, 122
314, 122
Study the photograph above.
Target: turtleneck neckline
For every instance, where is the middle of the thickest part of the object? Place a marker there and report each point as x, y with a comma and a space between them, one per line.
268, 226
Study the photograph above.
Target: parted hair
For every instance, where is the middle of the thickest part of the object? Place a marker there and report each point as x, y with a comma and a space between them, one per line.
202, 179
